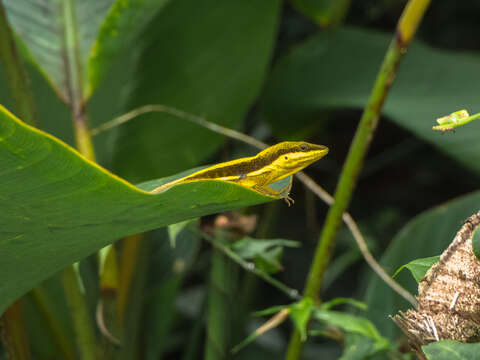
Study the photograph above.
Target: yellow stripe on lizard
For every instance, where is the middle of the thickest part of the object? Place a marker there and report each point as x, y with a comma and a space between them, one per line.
258, 172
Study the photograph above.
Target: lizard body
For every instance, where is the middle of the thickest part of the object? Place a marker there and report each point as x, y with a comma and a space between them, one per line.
258, 172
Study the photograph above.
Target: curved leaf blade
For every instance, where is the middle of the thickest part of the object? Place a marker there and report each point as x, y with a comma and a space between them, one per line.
56, 207
419, 267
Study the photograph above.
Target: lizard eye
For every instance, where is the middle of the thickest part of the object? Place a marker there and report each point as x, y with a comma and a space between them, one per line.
304, 147
286, 157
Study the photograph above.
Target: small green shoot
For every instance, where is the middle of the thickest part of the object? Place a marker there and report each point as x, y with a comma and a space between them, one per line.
455, 119
476, 242
266, 254
419, 267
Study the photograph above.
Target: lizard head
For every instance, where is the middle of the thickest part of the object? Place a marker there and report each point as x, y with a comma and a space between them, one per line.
289, 157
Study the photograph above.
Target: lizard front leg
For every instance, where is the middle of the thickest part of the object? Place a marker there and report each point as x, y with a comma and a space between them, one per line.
283, 193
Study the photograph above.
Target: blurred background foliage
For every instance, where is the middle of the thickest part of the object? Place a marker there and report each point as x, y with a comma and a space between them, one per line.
277, 71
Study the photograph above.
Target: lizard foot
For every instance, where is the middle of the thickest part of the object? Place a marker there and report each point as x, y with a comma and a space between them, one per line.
289, 200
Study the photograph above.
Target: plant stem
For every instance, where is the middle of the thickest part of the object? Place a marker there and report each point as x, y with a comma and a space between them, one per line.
450, 122
79, 312
220, 303
46, 310
131, 293
15, 71
82, 323
13, 333
362, 244
406, 28
74, 82
250, 267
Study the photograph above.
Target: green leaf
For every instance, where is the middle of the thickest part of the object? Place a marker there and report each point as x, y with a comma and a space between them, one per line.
266, 253
208, 60
123, 25
270, 310
179, 230
451, 350
476, 242
419, 267
56, 207
300, 313
44, 27
348, 322
249, 248
357, 347
340, 301
337, 69
428, 233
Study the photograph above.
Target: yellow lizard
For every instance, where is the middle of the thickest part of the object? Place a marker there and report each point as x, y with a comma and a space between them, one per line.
258, 172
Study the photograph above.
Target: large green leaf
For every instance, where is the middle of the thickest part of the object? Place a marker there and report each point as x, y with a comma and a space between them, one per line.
208, 58
451, 350
56, 207
125, 21
47, 26
427, 234
337, 69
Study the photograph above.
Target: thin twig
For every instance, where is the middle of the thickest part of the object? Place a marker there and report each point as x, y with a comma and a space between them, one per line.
305, 179
250, 267
99, 317
357, 235
182, 115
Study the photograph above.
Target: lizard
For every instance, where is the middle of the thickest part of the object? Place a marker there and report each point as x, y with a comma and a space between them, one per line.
258, 172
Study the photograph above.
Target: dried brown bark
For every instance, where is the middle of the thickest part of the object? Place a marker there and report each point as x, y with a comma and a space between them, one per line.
448, 296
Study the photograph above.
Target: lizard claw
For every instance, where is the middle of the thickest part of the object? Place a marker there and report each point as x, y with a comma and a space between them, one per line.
289, 200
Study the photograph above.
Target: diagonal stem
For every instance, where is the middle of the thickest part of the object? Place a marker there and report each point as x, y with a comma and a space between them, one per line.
406, 28
82, 323
73, 68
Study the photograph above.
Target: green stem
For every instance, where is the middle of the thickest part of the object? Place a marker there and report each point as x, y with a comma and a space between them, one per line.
44, 306
82, 322
81, 318
15, 71
131, 299
75, 86
13, 333
406, 28
192, 349
450, 122
220, 304
250, 267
